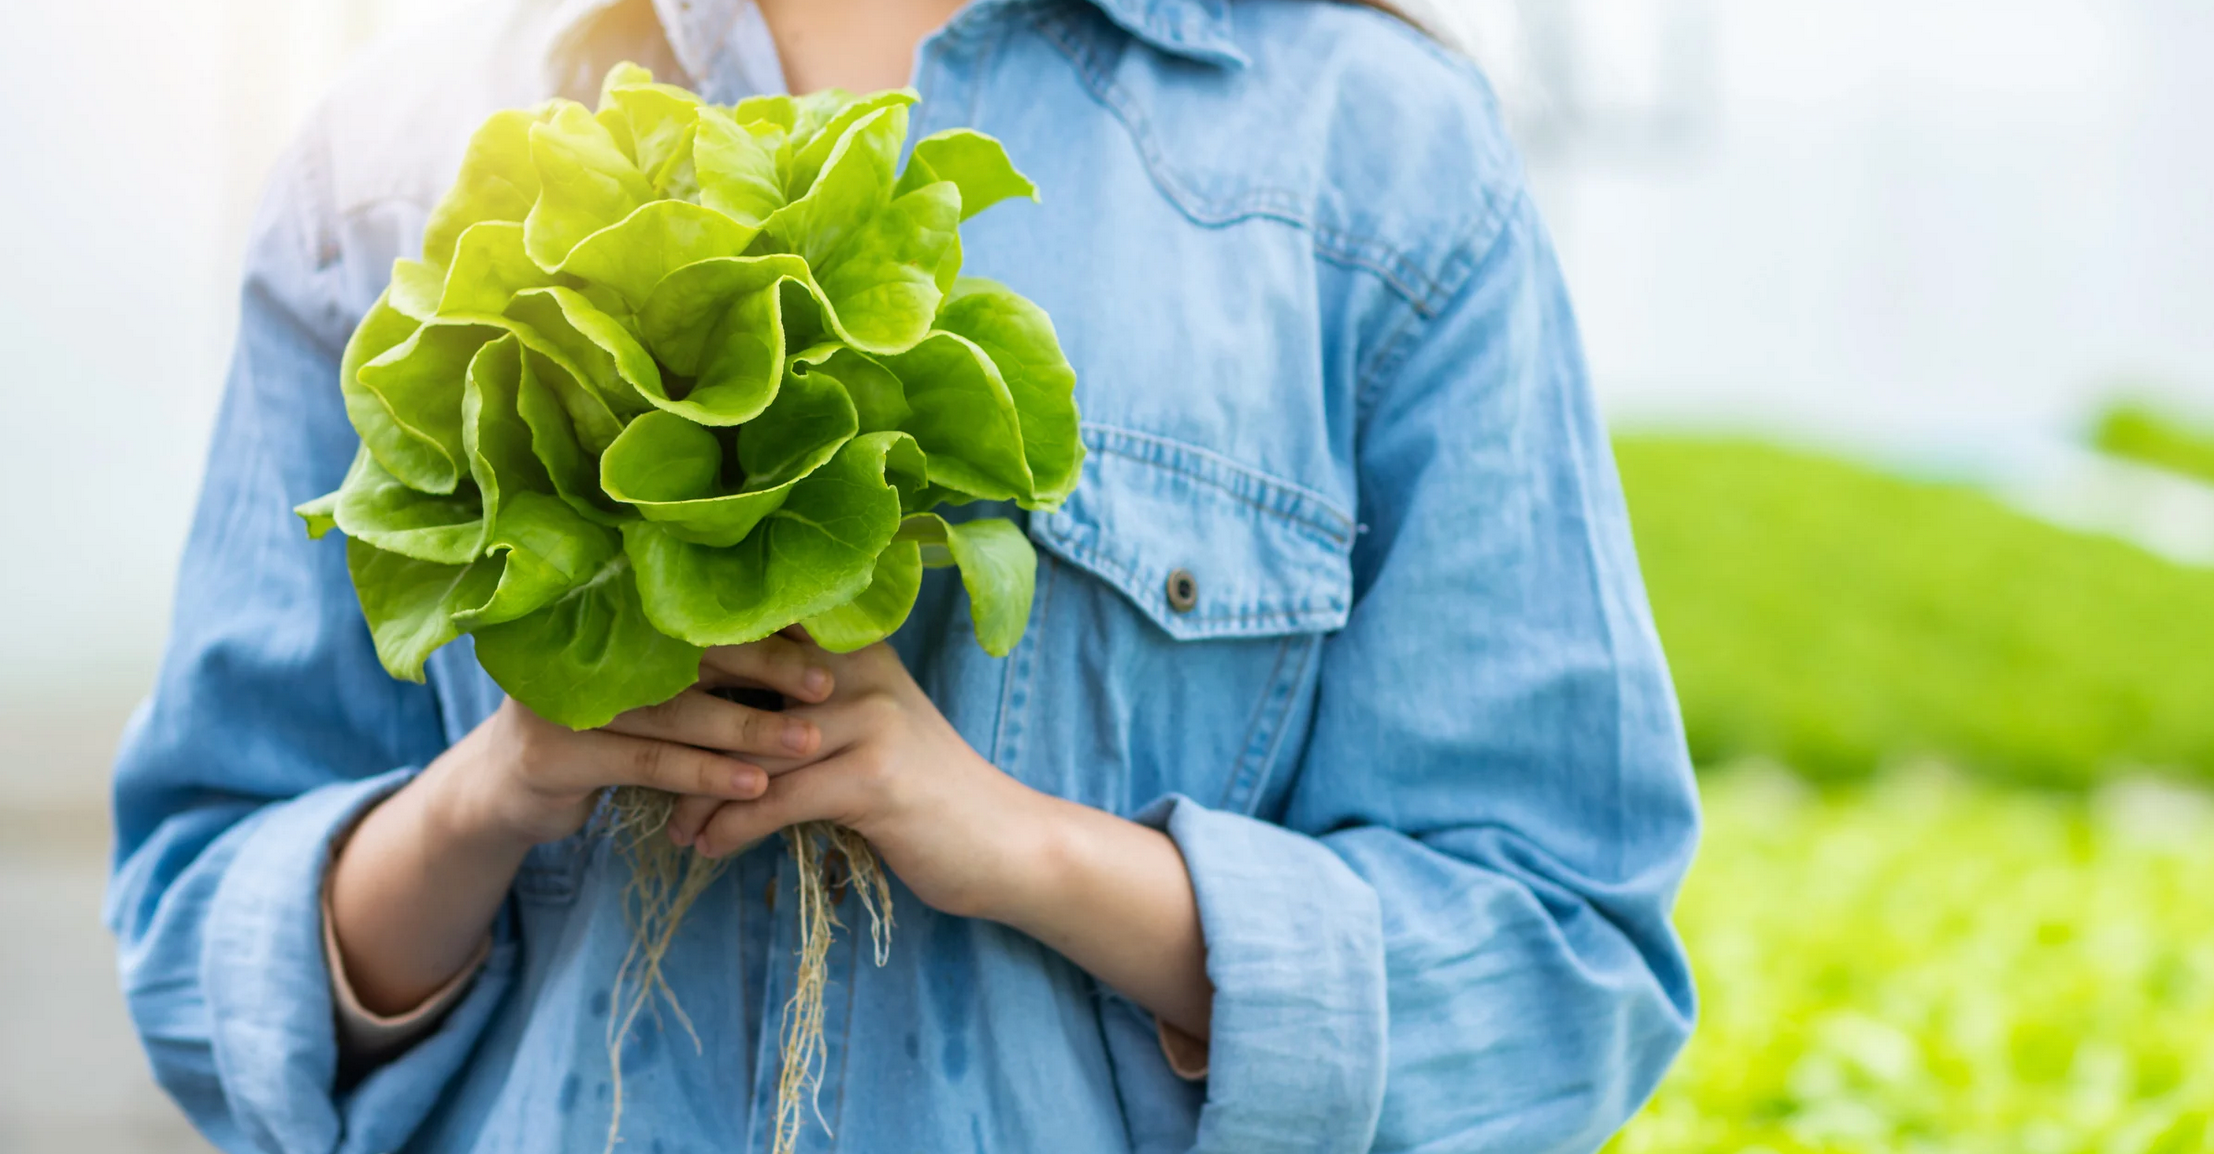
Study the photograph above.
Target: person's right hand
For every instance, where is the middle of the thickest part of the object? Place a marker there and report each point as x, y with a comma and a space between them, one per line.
520, 780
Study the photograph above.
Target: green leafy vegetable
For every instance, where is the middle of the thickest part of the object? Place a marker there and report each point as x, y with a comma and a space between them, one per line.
998, 568
670, 374
2139, 432
1928, 963
1835, 617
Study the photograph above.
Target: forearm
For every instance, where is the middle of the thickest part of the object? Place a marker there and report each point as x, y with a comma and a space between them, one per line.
413, 893
1116, 898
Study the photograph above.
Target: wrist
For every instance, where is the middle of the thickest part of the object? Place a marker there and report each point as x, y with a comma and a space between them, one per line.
1039, 847
459, 818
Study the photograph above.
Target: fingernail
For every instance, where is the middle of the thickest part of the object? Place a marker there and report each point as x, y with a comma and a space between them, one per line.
817, 681
679, 837
796, 736
747, 782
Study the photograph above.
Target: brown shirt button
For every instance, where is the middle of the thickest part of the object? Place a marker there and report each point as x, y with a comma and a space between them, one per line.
1183, 590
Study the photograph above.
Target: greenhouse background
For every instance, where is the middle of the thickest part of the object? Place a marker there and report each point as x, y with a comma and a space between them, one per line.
1903, 312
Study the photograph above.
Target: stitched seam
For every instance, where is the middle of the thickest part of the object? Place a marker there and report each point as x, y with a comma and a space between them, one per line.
1299, 614
1393, 353
1001, 755
1609, 626
1387, 358
1183, 448
1398, 271
1105, 565
1276, 740
998, 754
1126, 578
1335, 540
1253, 729
1267, 482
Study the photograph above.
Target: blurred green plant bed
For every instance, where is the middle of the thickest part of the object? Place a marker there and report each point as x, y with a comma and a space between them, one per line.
2141, 433
1836, 619
1932, 964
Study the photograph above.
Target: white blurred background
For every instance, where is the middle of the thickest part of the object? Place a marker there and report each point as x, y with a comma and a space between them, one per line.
1943, 230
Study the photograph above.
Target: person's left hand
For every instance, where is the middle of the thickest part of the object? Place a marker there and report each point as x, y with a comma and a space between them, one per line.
963, 835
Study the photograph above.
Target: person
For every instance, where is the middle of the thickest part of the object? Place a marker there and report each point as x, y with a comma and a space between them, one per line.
1334, 800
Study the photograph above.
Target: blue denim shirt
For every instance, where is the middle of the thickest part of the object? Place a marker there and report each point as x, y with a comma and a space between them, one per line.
1415, 738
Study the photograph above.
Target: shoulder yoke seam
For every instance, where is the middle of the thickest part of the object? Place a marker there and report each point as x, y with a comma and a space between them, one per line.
1425, 291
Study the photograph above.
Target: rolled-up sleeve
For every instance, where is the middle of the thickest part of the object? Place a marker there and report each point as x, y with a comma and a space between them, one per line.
1458, 938
271, 727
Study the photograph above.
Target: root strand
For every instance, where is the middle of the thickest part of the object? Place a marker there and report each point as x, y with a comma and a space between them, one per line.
665, 881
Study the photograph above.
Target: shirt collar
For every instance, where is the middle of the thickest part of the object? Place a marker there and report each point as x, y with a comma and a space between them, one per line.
698, 30
1199, 29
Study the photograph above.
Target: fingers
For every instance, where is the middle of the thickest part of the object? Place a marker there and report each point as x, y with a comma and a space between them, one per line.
847, 721
690, 816
696, 717
795, 668
614, 759
826, 791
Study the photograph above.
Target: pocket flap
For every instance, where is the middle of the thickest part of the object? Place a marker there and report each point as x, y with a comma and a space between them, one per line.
1248, 555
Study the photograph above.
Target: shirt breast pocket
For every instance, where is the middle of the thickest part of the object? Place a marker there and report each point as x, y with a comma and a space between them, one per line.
1185, 598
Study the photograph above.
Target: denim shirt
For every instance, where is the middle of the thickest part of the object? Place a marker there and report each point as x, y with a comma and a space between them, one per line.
1413, 734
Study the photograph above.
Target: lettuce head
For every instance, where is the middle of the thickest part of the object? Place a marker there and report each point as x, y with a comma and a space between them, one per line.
671, 374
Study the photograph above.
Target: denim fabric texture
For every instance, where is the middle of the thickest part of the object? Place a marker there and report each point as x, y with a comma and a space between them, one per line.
1412, 730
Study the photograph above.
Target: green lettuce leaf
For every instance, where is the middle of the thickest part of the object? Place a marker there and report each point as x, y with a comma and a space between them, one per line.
775, 108
589, 655
880, 404
373, 506
881, 265
406, 401
572, 466
415, 289
879, 400
489, 267
383, 328
672, 470
592, 424
595, 348
813, 111
736, 166
718, 326
811, 418
812, 146
814, 553
961, 412
586, 183
586, 441
631, 257
320, 514
884, 280
498, 181
410, 604
880, 609
1018, 338
999, 568
502, 461
545, 549
650, 122
976, 164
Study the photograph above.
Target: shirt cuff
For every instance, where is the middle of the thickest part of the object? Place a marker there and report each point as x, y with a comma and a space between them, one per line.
1295, 1055
269, 991
365, 1038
